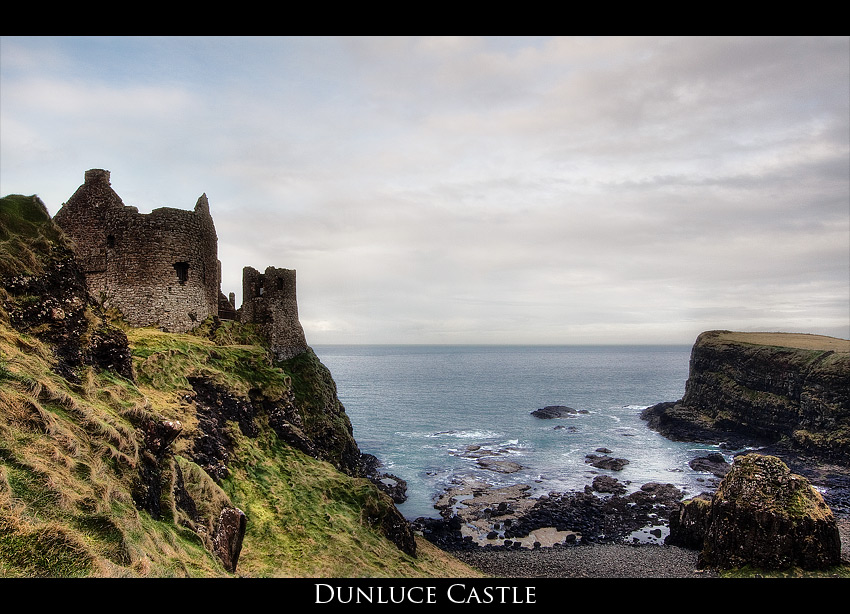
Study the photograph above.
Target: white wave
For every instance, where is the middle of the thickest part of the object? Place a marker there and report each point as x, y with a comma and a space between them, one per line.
472, 434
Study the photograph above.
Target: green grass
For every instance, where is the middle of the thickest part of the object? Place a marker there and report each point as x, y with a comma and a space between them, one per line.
48, 550
68, 457
306, 518
27, 237
69, 454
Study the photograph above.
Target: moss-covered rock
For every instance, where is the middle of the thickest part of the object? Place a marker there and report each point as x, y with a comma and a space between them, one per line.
689, 524
761, 516
43, 292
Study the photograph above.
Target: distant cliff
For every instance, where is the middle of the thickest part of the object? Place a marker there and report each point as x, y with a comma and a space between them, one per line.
786, 388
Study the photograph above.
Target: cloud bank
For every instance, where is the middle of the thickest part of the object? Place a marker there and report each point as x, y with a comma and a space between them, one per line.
472, 190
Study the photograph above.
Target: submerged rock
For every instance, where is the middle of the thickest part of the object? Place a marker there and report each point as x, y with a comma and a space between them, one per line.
499, 466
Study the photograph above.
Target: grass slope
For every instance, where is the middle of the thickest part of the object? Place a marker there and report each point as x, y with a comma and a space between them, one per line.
68, 455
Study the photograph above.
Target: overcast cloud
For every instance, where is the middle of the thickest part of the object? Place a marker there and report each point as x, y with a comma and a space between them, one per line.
472, 190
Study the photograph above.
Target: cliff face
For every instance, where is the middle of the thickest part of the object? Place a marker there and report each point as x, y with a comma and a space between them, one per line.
135, 452
769, 387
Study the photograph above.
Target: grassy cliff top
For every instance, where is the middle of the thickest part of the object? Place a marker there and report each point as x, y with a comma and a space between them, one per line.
70, 454
801, 341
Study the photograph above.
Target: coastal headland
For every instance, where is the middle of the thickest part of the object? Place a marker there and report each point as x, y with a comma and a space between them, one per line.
779, 394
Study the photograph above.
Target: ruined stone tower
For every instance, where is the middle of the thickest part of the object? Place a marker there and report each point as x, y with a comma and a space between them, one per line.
162, 269
159, 269
269, 301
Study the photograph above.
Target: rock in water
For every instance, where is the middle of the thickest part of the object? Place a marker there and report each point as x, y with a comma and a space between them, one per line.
713, 463
607, 484
764, 516
606, 462
553, 411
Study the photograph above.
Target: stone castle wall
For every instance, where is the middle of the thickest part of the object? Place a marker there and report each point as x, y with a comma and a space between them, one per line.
159, 269
269, 301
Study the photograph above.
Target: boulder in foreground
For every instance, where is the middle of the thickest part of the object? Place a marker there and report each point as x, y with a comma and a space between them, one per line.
761, 515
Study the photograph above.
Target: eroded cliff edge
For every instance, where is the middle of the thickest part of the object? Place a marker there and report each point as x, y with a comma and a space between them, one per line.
788, 391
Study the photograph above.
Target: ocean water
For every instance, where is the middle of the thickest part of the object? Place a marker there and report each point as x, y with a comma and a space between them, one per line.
422, 409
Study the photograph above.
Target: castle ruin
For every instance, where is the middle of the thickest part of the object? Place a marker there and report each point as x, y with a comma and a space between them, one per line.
268, 300
161, 269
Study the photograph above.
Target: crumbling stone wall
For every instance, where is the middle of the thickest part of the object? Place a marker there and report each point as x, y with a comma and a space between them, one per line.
159, 269
269, 300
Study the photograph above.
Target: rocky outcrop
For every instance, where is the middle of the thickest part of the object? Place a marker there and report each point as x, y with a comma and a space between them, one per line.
764, 388
714, 463
689, 524
324, 420
607, 484
508, 518
228, 537
761, 515
45, 294
391, 484
555, 411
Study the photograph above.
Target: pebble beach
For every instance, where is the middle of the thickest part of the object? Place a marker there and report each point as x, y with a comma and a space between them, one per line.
587, 561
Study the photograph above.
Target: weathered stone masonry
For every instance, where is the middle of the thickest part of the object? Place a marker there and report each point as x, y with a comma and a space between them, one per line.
268, 300
161, 269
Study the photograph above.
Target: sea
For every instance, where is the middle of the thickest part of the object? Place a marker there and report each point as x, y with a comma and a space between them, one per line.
428, 412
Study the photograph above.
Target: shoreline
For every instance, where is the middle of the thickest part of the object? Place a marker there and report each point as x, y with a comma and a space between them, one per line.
612, 560
503, 532
587, 561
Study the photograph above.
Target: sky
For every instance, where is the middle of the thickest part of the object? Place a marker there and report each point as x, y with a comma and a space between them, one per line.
506, 190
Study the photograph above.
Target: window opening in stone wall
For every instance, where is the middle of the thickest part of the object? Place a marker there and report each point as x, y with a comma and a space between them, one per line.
182, 269
280, 283
110, 241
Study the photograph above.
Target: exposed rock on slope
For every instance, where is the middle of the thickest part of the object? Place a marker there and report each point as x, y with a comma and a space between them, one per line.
44, 292
767, 387
762, 515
